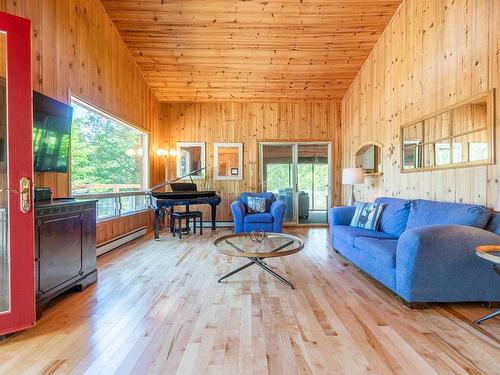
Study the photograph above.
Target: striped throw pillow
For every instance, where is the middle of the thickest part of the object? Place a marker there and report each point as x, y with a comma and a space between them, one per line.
367, 215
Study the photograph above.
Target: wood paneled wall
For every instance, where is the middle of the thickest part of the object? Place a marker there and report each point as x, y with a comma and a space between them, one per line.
434, 53
76, 50
248, 123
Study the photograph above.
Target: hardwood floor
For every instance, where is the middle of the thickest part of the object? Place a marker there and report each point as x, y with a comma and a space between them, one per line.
157, 308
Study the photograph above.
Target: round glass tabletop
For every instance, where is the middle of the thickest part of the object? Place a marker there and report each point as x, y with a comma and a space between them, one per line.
258, 245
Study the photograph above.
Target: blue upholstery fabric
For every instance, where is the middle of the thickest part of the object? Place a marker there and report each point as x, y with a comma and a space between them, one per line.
271, 221
383, 250
438, 263
494, 223
427, 263
385, 275
341, 215
424, 212
259, 218
394, 215
270, 198
348, 233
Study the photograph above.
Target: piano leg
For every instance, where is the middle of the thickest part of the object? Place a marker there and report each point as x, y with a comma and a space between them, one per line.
214, 215
157, 224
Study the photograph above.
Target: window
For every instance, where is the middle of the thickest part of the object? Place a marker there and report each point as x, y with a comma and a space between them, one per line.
109, 159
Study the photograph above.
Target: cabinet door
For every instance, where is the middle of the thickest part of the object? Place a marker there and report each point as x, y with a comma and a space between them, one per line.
59, 251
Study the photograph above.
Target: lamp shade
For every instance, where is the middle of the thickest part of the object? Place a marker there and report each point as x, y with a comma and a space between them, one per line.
497, 204
352, 176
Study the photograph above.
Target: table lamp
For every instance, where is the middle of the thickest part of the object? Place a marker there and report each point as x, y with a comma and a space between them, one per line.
352, 176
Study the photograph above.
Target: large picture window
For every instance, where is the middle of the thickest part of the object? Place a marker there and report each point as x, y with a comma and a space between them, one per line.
109, 160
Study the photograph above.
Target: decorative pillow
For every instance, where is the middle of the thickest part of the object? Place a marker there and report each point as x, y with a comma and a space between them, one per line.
256, 204
367, 215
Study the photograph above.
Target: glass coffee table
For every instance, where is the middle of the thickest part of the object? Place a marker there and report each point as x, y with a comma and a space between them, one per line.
491, 253
257, 246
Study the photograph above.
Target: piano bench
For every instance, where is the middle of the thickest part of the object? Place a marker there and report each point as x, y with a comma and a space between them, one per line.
179, 216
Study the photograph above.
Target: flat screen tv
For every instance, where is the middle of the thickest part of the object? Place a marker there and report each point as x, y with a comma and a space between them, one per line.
51, 134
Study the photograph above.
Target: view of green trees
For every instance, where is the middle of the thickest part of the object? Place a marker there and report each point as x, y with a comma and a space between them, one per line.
101, 153
279, 177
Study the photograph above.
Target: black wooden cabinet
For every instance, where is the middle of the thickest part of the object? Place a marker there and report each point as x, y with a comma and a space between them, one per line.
65, 247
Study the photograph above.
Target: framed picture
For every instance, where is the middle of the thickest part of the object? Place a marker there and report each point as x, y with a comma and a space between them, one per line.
191, 157
228, 161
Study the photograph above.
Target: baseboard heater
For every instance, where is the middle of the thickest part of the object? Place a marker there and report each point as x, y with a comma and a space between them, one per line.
121, 240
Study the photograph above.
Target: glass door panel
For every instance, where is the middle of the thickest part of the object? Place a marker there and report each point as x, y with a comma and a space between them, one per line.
277, 174
4, 185
313, 177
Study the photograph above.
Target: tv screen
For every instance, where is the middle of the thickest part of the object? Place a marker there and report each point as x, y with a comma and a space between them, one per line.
51, 134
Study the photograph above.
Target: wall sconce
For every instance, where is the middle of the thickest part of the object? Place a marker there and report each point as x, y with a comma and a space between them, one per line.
166, 153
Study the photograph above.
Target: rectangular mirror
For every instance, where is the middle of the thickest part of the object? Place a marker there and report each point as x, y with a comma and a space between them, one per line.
457, 136
191, 157
228, 161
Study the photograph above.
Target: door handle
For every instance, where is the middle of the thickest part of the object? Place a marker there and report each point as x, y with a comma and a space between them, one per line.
25, 195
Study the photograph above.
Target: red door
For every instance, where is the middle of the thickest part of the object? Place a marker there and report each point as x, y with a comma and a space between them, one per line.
17, 295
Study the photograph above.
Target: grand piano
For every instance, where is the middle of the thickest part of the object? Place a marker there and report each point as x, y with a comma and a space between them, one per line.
182, 194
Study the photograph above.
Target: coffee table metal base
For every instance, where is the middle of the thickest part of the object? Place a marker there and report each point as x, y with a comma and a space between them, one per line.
261, 264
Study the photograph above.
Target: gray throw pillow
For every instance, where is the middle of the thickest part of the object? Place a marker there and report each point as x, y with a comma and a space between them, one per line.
256, 204
367, 215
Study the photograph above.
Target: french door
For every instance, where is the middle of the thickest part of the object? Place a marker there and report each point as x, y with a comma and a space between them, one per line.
17, 296
299, 174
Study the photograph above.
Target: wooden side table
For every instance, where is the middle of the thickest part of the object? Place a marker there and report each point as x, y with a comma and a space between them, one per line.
492, 254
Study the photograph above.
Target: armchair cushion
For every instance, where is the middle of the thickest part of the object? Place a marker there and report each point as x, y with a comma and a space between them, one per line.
269, 197
259, 218
424, 212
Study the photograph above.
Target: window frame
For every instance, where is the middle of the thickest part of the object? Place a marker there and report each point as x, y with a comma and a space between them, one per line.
117, 196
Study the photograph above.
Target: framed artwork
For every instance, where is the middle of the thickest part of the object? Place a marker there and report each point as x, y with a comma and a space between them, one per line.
228, 161
191, 157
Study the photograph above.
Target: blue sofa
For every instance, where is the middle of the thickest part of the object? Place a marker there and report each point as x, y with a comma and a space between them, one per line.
269, 221
424, 251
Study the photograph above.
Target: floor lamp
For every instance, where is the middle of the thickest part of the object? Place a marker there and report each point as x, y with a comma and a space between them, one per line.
352, 176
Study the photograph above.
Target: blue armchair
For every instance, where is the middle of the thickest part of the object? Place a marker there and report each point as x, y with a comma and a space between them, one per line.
269, 221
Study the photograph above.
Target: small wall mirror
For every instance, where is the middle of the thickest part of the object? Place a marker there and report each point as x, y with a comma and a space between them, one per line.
369, 157
191, 157
228, 161
460, 135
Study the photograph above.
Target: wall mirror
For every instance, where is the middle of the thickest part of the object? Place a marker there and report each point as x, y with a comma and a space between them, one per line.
191, 157
228, 161
369, 157
457, 136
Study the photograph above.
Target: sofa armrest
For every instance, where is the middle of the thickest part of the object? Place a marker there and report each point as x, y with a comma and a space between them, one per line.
341, 215
277, 211
437, 263
238, 211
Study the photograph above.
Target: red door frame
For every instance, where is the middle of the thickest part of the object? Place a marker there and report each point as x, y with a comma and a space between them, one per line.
20, 164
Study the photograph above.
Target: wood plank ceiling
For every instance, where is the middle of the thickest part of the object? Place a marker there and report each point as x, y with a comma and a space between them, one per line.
265, 50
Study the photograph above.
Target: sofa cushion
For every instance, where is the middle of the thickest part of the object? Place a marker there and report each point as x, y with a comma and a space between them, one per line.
348, 233
494, 223
259, 218
424, 212
394, 216
382, 250
367, 215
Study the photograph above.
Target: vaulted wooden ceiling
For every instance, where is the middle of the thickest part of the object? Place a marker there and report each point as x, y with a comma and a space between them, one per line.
265, 50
